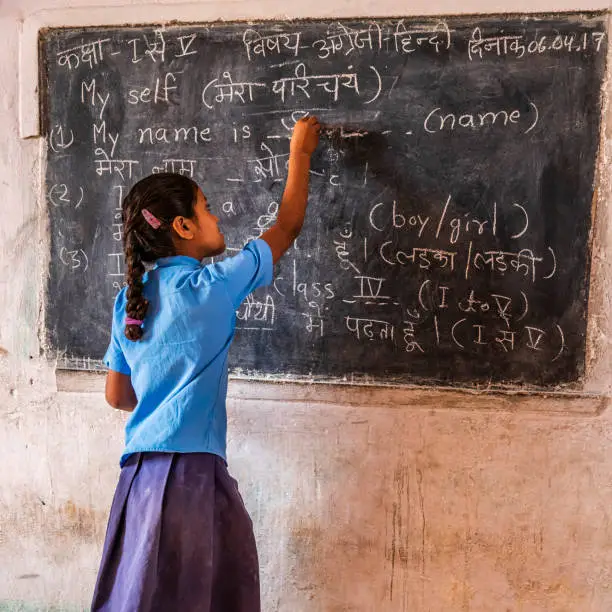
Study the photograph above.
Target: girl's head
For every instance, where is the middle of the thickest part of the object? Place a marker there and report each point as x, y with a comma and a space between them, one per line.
163, 215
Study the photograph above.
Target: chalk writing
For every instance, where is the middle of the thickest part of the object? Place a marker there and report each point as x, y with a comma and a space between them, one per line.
91, 95
437, 120
253, 309
74, 259
60, 141
169, 135
268, 167
186, 44
256, 44
58, 195
425, 258
519, 46
226, 91
343, 39
91, 54
409, 336
186, 167
158, 94
370, 329
370, 291
151, 47
408, 40
524, 262
105, 165
300, 84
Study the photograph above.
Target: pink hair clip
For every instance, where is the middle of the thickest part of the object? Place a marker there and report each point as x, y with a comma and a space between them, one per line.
131, 321
151, 219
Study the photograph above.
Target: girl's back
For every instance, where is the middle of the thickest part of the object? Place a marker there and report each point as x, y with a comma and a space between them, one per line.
179, 367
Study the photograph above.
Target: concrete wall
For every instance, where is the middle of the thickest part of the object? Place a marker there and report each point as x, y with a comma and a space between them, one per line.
363, 499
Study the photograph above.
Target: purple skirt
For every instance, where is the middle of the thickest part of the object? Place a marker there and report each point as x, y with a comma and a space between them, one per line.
178, 538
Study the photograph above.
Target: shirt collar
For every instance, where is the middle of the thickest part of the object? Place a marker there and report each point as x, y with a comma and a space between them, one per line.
177, 260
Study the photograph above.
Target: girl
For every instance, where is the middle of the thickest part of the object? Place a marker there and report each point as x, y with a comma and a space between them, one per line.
179, 537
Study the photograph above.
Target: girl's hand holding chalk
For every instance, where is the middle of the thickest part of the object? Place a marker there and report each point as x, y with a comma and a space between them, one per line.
305, 135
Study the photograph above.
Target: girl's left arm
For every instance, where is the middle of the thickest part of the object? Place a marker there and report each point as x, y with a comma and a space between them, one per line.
119, 391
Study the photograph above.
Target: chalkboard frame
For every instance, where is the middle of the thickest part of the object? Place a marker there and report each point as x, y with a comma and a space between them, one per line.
76, 363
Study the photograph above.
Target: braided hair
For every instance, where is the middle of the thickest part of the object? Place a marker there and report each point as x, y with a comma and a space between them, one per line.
165, 196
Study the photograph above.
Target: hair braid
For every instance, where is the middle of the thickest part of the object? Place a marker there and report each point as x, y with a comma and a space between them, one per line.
137, 304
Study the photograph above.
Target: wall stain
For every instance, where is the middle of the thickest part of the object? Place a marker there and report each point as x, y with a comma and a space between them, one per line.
326, 560
28, 576
83, 523
399, 548
56, 527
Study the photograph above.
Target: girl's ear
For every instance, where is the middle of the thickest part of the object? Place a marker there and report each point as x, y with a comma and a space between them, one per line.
183, 227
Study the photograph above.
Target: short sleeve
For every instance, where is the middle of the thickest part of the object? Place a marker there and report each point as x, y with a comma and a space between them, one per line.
246, 271
114, 359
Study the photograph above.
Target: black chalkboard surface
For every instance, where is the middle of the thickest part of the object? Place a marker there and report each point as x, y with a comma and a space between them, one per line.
448, 232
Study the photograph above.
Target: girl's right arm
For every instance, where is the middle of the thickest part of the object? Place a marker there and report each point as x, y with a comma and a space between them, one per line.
295, 197
119, 391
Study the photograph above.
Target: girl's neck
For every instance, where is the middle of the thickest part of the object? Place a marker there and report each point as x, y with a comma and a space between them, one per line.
187, 248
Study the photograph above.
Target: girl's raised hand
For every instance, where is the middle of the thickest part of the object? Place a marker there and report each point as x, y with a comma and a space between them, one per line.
305, 135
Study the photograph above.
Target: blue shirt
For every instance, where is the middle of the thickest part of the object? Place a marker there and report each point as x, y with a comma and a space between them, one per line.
179, 367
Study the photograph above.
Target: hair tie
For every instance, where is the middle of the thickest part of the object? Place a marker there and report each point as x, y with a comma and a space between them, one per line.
130, 321
151, 219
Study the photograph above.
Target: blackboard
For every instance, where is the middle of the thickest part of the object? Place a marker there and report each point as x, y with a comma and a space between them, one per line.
447, 239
